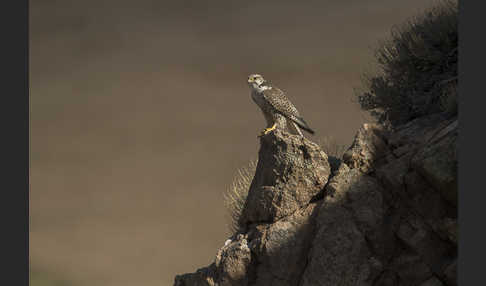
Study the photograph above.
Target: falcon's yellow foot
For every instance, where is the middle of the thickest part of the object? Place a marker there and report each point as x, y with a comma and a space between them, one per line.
266, 130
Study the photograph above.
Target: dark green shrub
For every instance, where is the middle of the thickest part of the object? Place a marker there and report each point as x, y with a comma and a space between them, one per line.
417, 65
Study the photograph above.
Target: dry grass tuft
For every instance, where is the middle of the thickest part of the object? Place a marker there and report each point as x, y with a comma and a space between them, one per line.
331, 147
334, 151
235, 196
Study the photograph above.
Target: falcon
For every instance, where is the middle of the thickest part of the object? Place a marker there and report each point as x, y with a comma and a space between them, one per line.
276, 107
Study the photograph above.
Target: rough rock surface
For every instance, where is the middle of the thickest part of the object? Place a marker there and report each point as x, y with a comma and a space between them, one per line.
291, 170
348, 242
387, 216
368, 146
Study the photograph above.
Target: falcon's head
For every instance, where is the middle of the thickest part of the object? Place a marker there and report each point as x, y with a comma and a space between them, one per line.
257, 82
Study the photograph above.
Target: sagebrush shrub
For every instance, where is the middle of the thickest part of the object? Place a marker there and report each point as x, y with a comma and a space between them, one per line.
413, 64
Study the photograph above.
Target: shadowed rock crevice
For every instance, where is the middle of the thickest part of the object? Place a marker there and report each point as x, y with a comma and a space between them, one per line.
386, 216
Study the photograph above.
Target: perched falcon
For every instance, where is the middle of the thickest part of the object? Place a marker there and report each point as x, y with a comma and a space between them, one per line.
276, 107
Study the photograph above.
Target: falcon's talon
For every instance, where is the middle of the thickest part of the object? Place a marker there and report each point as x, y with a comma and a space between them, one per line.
270, 129
267, 130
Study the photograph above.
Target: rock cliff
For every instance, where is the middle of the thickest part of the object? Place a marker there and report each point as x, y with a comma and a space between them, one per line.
386, 216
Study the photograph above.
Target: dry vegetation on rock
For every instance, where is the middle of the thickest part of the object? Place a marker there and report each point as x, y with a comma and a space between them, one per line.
235, 195
417, 66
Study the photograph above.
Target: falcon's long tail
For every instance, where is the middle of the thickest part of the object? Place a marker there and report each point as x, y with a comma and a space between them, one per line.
302, 124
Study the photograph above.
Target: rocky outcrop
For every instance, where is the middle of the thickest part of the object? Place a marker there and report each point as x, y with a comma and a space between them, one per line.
348, 241
421, 198
277, 222
268, 254
291, 170
387, 216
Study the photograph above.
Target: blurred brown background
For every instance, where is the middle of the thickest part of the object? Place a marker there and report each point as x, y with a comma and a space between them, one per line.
140, 117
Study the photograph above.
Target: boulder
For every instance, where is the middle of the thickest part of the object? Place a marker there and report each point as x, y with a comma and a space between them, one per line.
281, 248
291, 171
269, 254
347, 246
